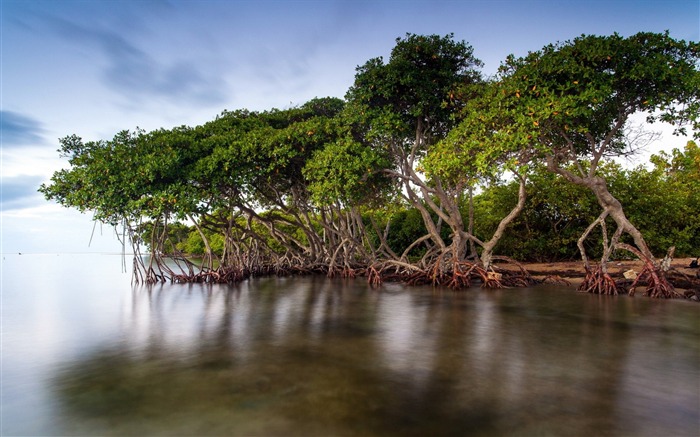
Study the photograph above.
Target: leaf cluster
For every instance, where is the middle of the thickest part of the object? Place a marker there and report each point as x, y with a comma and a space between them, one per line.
418, 84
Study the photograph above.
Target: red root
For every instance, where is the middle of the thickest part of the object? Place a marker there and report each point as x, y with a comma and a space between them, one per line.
657, 284
374, 277
598, 282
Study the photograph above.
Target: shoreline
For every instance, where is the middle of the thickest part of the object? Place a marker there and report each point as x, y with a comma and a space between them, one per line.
574, 271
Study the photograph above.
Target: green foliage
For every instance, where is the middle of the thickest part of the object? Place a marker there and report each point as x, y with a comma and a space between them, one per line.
579, 93
264, 154
555, 215
489, 140
416, 89
194, 245
664, 203
426, 109
152, 231
105, 177
346, 171
406, 227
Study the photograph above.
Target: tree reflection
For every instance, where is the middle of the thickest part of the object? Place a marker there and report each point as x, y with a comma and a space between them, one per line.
314, 356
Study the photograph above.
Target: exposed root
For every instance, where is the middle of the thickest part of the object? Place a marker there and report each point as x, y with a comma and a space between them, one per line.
652, 275
453, 274
657, 283
374, 276
464, 274
218, 276
348, 272
334, 271
598, 282
461, 275
492, 279
509, 278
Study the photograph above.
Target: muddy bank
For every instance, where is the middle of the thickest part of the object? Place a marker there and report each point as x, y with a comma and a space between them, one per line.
681, 275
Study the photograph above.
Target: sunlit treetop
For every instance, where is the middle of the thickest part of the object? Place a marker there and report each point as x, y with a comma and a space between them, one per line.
580, 93
418, 84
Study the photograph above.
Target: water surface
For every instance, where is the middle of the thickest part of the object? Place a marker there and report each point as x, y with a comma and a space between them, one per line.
85, 353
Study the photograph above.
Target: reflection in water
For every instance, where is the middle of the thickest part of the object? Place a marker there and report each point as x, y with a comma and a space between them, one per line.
314, 356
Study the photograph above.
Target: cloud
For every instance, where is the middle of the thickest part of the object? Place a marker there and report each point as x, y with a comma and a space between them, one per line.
135, 73
20, 192
17, 129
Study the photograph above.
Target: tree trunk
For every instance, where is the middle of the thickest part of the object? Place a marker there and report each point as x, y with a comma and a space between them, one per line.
607, 201
599, 281
614, 208
489, 246
473, 254
209, 253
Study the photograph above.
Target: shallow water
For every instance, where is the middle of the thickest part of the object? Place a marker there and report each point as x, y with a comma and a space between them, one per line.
84, 353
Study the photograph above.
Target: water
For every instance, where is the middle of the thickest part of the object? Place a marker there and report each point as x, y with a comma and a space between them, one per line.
84, 353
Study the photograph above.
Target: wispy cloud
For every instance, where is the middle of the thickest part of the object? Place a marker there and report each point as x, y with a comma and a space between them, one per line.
131, 70
20, 192
19, 130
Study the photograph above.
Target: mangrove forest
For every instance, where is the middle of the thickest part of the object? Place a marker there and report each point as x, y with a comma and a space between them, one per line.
426, 172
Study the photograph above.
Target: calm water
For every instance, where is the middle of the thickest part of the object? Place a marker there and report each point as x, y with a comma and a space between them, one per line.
84, 353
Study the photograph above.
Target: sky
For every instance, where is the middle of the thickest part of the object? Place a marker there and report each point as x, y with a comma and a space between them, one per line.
96, 67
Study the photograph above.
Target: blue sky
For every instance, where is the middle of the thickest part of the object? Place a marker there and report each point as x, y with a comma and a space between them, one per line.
95, 67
